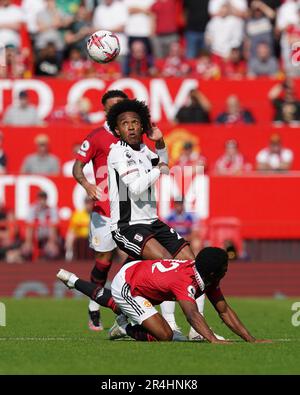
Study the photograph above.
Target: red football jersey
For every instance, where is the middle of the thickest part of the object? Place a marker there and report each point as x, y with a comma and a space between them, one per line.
96, 147
167, 279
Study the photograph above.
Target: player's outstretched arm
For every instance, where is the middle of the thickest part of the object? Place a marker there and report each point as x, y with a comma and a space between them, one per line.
197, 321
233, 322
91, 189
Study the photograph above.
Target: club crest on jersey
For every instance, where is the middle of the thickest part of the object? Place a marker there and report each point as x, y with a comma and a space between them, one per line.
191, 291
85, 146
147, 304
138, 237
127, 154
96, 241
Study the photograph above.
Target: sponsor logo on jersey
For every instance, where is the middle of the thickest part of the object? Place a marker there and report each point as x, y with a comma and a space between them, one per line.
138, 237
147, 304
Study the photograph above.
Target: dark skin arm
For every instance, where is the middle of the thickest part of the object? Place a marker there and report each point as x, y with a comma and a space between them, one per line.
197, 321
230, 318
91, 189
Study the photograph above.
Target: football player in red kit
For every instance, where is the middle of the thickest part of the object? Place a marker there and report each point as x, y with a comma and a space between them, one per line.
140, 285
96, 148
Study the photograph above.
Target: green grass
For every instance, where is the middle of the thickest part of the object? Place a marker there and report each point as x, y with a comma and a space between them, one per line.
46, 336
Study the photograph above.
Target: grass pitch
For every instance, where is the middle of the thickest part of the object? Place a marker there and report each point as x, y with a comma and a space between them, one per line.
46, 336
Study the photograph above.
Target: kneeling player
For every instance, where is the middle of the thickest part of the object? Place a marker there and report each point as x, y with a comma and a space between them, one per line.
138, 286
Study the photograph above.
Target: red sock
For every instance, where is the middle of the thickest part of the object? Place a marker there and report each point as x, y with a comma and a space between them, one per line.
137, 332
99, 272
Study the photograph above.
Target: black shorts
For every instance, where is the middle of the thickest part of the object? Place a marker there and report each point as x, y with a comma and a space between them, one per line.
132, 238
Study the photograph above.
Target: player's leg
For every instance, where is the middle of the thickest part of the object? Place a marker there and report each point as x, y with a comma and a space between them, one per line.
101, 296
148, 324
103, 245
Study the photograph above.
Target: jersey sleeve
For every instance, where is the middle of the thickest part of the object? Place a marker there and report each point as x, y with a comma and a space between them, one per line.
86, 151
184, 290
214, 293
126, 166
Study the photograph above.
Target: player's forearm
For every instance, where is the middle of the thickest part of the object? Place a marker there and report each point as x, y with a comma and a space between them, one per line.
141, 184
79, 175
235, 325
197, 321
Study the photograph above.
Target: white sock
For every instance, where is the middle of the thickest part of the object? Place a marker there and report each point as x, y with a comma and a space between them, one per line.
200, 303
72, 280
168, 310
93, 306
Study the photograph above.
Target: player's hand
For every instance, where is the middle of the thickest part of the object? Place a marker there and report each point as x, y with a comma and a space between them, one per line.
92, 191
263, 341
217, 341
154, 134
163, 168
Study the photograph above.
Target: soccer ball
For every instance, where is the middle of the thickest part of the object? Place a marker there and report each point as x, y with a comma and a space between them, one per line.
103, 46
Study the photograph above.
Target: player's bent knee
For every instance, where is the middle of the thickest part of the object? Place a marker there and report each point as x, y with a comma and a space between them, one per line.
166, 336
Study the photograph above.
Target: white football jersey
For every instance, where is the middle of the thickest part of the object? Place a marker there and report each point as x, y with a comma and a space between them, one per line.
131, 179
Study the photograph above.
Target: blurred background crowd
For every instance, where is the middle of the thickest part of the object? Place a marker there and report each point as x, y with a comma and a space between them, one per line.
210, 39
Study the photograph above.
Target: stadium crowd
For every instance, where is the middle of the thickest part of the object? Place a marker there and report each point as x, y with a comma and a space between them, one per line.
163, 37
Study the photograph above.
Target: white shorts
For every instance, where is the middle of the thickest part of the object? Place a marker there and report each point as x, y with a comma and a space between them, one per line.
136, 308
100, 237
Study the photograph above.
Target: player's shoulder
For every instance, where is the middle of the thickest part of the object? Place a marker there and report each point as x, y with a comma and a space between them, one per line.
120, 151
100, 131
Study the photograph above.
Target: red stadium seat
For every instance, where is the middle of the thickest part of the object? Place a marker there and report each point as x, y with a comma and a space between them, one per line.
224, 229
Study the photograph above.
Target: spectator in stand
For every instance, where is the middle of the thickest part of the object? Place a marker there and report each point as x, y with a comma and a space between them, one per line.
77, 237
22, 113
189, 156
274, 157
196, 110
139, 63
197, 17
79, 112
3, 158
184, 223
41, 230
232, 161
175, 64
286, 105
292, 40
10, 242
235, 114
112, 15
139, 23
41, 162
166, 33
234, 67
259, 27
223, 32
50, 22
11, 18
16, 64
48, 61
263, 64
79, 30
205, 68
287, 18
238, 8
30, 10
76, 66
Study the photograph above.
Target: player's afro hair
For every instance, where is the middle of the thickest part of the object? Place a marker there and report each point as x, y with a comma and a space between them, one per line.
112, 94
211, 263
128, 105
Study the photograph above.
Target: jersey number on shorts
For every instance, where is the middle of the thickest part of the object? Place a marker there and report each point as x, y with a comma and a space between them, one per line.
159, 266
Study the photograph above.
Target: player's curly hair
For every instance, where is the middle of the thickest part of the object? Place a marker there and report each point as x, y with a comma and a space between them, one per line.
127, 105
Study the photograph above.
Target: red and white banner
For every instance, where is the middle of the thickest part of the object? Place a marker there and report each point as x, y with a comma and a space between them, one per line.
164, 95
